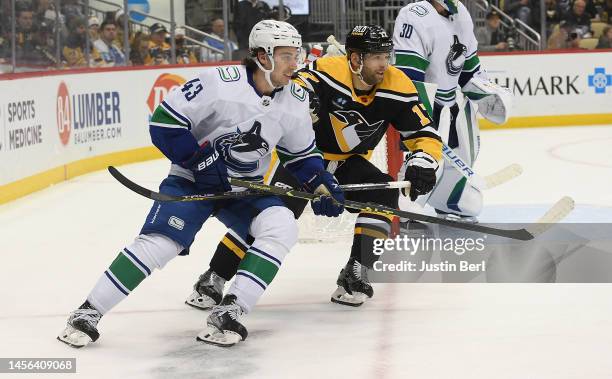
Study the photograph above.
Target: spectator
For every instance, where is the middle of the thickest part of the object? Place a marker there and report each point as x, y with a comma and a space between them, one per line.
579, 20
30, 50
521, 9
605, 41
72, 9
591, 9
105, 52
119, 18
159, 50
563, 38
74, 49
553, 14
490, 37
139, 48
217, 29
184, 55
605, 12
93, 28
246, 15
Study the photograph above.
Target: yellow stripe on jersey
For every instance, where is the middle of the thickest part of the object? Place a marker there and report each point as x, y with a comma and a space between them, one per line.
380, 214
342, 157
274, 162
338, 71
429, 145
233, 247
369, 232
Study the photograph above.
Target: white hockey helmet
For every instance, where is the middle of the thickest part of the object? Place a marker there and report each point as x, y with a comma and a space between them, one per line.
269, 34
451, 6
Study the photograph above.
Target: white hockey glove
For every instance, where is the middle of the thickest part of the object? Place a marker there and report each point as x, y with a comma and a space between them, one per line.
494, 101
419, 169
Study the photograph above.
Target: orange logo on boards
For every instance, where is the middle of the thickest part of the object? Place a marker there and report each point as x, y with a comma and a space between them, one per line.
63, 113
162, 86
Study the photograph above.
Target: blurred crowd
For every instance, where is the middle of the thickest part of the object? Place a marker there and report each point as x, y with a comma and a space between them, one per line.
90, 41
70, 37
570, 24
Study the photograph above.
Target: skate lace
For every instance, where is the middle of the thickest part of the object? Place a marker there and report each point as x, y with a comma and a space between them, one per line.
233, 310
360, 272
91, 316
211, 280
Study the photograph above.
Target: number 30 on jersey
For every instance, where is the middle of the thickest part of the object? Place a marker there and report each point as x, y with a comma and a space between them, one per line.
406, 31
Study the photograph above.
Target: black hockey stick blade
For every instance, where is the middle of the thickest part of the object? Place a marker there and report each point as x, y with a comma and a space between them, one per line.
157, 196
518, 234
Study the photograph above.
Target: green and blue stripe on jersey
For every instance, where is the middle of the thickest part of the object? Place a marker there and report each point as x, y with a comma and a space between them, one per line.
412, 64
170, 133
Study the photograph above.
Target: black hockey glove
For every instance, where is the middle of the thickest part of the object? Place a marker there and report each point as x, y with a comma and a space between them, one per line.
331, 202
419, 169
208, 170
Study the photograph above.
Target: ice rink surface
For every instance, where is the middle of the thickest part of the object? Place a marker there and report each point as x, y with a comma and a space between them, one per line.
57, 242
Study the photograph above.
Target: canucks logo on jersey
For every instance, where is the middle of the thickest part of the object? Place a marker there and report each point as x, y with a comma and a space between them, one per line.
455, 57
242, 150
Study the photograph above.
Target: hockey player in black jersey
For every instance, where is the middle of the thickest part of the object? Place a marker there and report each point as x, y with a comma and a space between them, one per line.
360, 96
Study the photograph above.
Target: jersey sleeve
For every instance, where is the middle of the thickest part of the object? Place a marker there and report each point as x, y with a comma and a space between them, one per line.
416, 128
297, 149
171, 123
410, 44
472, 62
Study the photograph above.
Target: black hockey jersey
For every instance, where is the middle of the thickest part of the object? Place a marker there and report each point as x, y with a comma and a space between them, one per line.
349, 124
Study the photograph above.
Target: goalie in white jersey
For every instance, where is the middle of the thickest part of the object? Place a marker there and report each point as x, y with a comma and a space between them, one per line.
435, 43
226, 121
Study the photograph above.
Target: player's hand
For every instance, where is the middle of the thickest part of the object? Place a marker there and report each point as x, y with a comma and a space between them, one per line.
419, 169
208, 169
331, 203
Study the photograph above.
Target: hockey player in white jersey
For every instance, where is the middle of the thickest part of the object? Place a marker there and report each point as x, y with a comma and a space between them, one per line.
224, 122
435, 43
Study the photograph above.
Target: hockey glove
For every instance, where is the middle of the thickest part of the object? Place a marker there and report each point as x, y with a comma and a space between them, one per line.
419, 169
331, 203
208, 169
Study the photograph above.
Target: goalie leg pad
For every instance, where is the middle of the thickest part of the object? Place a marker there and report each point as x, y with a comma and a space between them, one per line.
453, 193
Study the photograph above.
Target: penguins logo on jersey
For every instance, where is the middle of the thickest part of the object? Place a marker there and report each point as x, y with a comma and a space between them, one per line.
242, 150
455, 57
351, 128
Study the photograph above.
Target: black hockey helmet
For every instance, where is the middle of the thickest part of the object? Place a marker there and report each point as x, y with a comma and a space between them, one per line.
368, 39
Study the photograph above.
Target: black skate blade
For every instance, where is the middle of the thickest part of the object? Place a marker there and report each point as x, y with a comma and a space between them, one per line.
338, 301
198, 308
70, 344
340, 297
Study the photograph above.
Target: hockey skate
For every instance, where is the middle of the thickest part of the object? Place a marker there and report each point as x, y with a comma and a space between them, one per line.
457, 217
223, 327
82, 326
207, 292
353, 286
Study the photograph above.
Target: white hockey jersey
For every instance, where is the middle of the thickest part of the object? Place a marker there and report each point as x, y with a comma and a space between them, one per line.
222, 106
436, 49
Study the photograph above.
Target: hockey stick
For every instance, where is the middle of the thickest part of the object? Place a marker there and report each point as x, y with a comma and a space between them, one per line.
478, 181
556, 213
375, 186
332, 40
231, 195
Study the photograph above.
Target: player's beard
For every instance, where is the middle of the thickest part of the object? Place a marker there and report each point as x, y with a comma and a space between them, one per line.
370, 77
